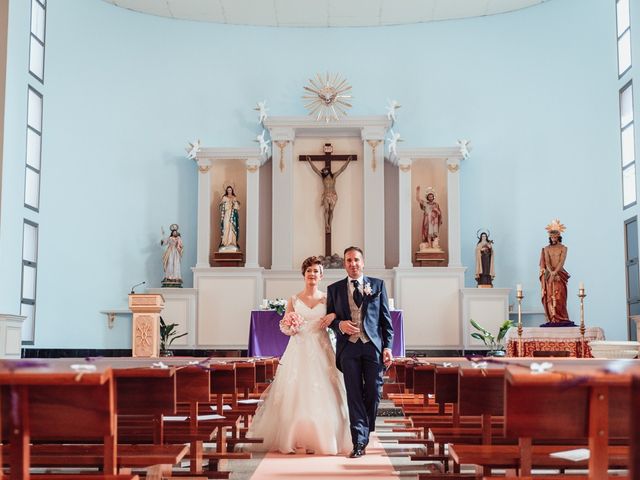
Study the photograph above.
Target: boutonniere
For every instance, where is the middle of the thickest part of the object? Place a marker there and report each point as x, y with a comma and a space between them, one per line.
367, 289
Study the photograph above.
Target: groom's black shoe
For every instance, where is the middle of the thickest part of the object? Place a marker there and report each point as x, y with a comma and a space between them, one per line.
358, 450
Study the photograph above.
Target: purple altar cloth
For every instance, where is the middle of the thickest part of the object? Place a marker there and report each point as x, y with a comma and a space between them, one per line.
266, 339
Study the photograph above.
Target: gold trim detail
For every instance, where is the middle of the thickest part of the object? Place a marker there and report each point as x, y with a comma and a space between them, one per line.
453, 168
204, 169
282, 144
252, 168
404, 168
373, 144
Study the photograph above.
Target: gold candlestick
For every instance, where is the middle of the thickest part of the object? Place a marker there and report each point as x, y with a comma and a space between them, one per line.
581, 296
519, 297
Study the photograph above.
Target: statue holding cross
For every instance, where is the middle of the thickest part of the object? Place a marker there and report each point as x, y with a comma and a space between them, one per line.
329, 194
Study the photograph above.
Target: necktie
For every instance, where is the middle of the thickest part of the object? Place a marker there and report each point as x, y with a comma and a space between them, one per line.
357, 294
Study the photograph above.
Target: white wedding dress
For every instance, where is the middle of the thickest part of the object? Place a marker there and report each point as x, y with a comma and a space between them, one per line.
305, 407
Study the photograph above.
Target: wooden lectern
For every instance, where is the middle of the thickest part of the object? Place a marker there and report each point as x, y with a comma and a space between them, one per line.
145, 335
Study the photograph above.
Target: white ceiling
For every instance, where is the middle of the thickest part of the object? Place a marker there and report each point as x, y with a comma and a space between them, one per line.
322, 13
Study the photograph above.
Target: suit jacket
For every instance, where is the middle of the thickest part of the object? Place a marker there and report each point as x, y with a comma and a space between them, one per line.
376, 319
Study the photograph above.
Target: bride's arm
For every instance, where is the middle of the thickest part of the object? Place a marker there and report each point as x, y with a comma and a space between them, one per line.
284, 326
327, 319
289, 306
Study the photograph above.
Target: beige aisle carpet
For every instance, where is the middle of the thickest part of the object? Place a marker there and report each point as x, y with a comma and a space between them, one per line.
375, 464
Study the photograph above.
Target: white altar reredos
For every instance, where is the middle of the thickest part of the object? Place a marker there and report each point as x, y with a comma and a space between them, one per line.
281, 223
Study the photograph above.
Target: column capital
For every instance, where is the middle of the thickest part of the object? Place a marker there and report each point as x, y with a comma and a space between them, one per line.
453, 165
373, 133
282, 133
204, 164
404, 164
253, 163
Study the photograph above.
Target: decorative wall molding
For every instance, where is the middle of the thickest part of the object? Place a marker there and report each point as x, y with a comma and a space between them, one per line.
373, 144
228, 153
365, 127
450, 153
282, 144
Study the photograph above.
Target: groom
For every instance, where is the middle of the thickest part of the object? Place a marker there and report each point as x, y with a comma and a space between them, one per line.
363, 348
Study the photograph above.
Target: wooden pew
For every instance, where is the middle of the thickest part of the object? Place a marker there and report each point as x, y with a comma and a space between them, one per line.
188, 389
45, 401
576, 403
587, 403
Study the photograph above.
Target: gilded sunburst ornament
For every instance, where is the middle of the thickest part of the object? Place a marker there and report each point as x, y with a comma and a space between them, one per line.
326, 97
556, 227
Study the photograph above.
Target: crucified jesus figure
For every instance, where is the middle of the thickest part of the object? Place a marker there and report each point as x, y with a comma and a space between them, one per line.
329, 194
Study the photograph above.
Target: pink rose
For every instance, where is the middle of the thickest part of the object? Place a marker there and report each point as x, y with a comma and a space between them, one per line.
291, 323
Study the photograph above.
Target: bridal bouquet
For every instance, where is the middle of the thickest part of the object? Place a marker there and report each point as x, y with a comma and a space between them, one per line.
291, 323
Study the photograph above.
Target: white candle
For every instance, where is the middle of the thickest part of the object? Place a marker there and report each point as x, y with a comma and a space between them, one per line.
581, 286
391, 304
265, 304
519, 287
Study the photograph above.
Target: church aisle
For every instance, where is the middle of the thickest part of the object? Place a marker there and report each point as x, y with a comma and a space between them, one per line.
375, 464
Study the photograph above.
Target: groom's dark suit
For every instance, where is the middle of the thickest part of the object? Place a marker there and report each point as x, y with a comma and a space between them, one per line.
361, 362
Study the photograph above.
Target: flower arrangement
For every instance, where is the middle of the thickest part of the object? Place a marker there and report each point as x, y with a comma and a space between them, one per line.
367, 289
291, 323
279, 305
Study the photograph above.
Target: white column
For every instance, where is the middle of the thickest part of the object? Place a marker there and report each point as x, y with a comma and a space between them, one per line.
253, 191
404, 213
282, 199
453, 195
204, 213
373, 178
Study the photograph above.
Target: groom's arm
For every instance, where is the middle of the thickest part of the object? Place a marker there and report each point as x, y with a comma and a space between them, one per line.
331, 308
385, 319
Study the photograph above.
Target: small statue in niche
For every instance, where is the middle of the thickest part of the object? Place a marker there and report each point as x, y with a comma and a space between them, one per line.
431, 221
484, 260
229, 207
172, 257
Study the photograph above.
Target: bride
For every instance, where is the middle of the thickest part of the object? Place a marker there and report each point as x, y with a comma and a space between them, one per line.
305, 407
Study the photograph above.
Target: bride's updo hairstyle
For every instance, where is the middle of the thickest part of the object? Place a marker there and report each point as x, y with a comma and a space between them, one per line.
311, 261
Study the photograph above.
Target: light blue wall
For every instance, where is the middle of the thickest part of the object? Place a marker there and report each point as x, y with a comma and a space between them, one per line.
535, 91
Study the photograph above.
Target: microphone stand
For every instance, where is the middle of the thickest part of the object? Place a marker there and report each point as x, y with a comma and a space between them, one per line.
132, 292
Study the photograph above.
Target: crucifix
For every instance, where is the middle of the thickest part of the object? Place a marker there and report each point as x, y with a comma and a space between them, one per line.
329, 194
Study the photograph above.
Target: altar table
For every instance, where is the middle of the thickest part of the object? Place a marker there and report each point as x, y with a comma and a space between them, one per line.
266, 339
552, 339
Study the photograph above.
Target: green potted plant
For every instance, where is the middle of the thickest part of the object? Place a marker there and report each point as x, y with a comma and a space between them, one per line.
494, 343
168, 334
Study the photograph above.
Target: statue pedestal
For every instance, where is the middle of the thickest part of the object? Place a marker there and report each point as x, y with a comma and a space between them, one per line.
430, 259
145, 334
172, 283
227, 259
